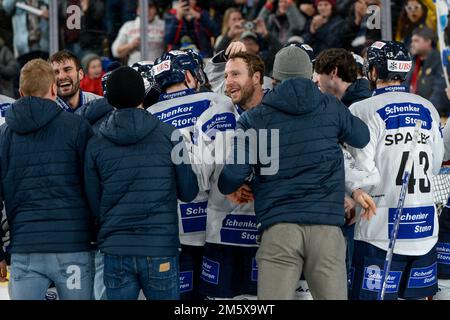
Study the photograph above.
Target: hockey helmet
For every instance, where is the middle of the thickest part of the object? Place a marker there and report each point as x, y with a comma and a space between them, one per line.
171, 66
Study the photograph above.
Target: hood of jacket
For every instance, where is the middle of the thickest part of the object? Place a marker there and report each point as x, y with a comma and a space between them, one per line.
128, 126
295, 96
29, 114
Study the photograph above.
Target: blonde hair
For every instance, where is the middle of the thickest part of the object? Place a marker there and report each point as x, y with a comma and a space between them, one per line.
36, 78
226, 17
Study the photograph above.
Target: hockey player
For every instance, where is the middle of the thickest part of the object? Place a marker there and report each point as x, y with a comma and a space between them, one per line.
5, 103
179, 77
229, 267
391, 115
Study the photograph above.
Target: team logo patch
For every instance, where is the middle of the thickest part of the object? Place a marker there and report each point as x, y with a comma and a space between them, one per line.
399, 66
423, 277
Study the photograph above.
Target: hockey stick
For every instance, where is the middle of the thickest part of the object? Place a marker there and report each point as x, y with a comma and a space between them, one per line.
398, 212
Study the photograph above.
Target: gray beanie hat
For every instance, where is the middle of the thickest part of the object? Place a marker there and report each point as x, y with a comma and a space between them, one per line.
291, 62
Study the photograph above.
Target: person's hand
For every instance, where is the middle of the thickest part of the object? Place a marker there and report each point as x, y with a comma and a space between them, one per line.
84, 5
366, 202
235, 47
261, 27
242, 195
194, 14
307, 9
235, 30
3, 271
182, 9
447, 91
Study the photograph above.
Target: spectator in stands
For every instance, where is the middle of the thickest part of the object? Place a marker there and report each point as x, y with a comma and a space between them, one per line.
93, 73
300, 229
259, 41
357, 33
8, 70
31, 32
232, 29
285, 22
188, 25
46, 206
117, 12
415, 13
127, 43
90, 38
324, 30
426, 76
248, 8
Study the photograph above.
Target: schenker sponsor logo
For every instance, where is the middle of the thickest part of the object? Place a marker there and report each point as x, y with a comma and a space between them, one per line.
399, 66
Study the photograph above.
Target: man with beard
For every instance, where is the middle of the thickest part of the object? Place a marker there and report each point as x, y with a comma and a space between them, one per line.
299, 205
68, 73
229, 267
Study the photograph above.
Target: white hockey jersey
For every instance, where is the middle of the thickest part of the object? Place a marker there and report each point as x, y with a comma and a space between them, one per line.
182, 109
227, 223
391, 115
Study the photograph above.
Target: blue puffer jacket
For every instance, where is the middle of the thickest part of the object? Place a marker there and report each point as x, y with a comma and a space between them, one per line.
42, 153
95, 111
309, 185
133, 185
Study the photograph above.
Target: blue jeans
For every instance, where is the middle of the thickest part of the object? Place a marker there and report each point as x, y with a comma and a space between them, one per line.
32, 273
158, 277
99, 286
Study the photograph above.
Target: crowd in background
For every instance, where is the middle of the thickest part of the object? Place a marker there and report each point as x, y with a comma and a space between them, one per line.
110, 30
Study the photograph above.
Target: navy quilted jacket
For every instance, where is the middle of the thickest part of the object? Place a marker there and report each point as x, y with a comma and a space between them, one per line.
42, 153
133, 185
95, 111
308, 187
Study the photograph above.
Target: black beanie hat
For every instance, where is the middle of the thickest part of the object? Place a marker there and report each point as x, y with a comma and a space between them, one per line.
125, 88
